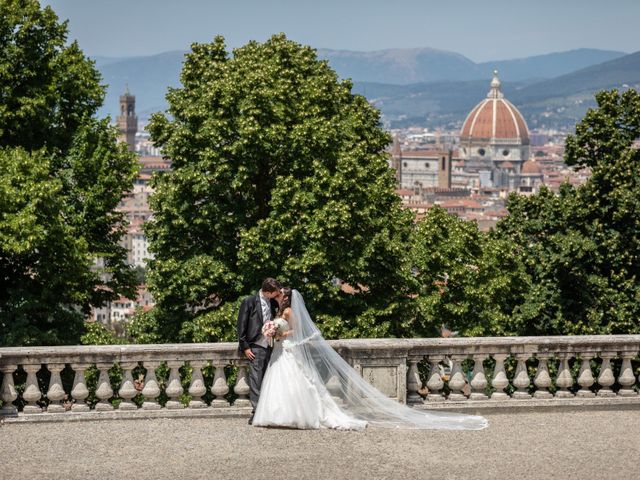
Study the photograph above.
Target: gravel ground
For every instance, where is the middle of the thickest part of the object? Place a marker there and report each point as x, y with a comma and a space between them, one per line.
563, 445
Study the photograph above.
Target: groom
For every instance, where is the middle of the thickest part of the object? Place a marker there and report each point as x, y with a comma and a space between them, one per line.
254, 312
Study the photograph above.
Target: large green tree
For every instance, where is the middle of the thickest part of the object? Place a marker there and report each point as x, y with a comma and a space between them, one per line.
278, 170
581, 248
63, 175
468, 281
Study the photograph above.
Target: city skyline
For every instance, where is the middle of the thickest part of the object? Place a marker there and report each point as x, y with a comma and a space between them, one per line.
479, 31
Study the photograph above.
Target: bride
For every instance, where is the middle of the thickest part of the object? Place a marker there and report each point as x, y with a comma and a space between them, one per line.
308, 385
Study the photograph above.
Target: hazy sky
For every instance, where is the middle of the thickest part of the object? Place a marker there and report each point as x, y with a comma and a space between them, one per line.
480, 30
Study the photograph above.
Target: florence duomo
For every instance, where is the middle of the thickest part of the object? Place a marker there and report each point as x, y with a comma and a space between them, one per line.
492, 150
494, 142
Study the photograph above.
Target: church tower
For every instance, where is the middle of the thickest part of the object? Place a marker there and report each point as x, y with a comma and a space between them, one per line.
128, 121
444, 169
396, 160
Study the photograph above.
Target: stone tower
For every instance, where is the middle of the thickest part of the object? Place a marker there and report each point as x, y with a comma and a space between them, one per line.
396, 159
444, 169
128, 121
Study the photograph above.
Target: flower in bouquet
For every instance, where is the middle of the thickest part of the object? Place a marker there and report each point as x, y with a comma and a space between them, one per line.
269, 329
281, 325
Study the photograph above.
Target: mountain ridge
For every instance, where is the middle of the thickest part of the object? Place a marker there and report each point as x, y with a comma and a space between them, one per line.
447, 82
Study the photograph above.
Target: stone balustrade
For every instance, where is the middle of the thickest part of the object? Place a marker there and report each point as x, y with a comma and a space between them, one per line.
424, 372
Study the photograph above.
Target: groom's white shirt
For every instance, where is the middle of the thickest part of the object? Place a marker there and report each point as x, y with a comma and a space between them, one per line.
266, 316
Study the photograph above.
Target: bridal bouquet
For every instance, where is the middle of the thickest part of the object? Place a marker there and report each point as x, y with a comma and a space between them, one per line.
273, 328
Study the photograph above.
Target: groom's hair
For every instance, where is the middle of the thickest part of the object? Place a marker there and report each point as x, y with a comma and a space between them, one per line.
270, 285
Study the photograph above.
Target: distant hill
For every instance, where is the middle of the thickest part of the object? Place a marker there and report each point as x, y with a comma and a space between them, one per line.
435, 104
564, 100
550, 65
401, 66
555, 103
417, 86
606, 75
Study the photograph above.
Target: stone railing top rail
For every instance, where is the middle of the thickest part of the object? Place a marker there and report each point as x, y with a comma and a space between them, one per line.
379, 347
490, 345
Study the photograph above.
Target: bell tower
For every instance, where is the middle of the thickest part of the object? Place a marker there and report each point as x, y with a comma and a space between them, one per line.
396, 160
128, 121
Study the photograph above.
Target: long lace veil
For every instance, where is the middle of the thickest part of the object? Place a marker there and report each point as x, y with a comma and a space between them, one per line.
327, 369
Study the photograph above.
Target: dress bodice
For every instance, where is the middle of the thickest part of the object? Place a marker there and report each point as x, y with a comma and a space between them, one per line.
283, 326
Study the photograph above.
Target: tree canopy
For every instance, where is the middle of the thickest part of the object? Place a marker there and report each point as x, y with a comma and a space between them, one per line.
581, 248
278, 170
62, 175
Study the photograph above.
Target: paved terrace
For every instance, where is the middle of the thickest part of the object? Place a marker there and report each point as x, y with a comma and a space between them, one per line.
589, 444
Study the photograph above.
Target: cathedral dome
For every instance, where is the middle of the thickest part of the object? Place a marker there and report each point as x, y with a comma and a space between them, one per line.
495, 121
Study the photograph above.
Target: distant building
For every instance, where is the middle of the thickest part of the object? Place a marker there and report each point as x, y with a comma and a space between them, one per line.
128, 121
494, 141
422, 169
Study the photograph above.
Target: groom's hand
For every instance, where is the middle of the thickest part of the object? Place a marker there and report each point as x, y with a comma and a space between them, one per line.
249, 354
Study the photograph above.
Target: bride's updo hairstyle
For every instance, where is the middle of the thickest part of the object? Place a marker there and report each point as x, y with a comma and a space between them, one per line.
286, 300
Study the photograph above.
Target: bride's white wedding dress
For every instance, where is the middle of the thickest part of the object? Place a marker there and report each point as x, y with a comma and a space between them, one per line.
291, 397
295, 390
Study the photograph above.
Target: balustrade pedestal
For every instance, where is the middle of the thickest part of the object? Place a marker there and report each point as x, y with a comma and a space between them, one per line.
55, 393
521, 381
542, 380
32, 393
627, 379
8, 392
435, 382
499, 381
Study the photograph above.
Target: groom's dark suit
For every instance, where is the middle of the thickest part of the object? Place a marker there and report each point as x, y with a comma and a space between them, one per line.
250, 320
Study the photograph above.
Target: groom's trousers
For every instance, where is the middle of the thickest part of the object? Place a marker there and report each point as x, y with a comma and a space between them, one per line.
257, 368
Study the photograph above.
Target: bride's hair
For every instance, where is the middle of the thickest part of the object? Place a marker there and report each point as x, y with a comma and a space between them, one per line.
286, 300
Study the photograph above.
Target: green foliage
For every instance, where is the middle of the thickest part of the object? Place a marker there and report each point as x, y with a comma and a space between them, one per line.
96, 333
467, 280
42, 262
61, 177
47, 88
581, 248
278, 170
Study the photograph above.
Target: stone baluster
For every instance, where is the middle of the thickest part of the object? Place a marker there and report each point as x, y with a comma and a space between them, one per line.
127, 390
627, 379
606, 378
104, 391
542, 380
151, 389
564, 380
55, 393
499, 381
457, 381
32, 393
521, 381
413, 382
585, 377
219, 388
8, 393
478, 379
241, 388
434, 382
197, 387
174, 388
79, 392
